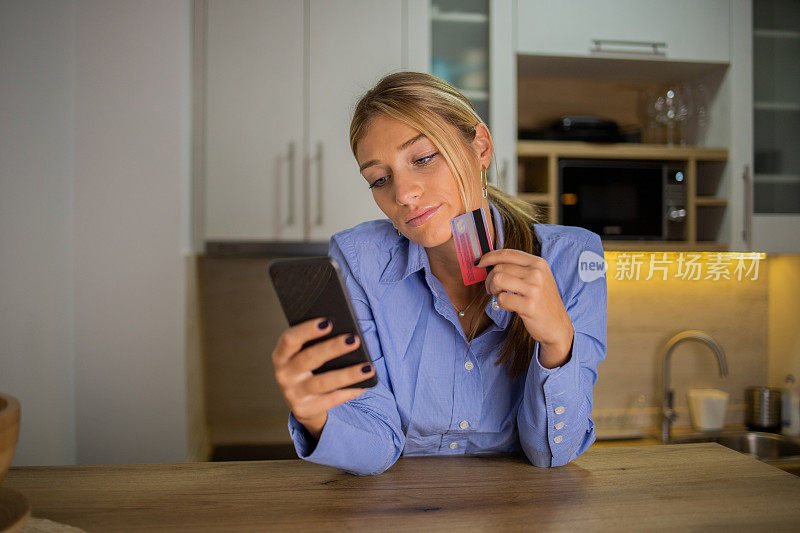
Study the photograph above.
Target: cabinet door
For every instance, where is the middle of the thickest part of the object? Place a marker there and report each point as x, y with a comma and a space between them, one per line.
254, 120
692, 30
352, 44
775, 188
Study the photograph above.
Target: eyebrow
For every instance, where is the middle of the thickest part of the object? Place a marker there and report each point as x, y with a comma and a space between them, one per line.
401, 147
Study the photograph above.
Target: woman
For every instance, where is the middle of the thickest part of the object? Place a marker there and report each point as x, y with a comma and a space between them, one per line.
455, 374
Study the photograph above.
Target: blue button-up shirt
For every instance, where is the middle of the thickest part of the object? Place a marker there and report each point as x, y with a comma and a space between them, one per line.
433, 397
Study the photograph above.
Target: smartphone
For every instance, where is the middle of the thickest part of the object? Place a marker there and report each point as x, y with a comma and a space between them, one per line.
312, 287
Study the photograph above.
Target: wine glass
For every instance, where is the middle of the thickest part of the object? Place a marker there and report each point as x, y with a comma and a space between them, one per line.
672, 107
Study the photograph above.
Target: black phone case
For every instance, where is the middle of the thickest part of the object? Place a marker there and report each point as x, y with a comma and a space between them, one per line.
313, 287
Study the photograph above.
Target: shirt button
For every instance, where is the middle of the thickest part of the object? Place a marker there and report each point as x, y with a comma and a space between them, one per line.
453, 445
464, 424
468, 365
557, 439
559, 410
560, 425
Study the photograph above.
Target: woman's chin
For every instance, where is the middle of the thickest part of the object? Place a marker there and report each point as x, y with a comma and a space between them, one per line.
430, 237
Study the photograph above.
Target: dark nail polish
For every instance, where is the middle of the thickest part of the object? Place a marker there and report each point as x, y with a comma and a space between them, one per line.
478, 260
351, 339
366, 368
323, 324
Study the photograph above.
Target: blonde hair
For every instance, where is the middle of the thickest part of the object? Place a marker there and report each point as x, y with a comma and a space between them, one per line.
446, 117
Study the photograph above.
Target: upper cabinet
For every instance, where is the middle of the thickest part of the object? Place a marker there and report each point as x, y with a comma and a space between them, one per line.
351, 45
254, 132
680, 30
281, 80
774, 186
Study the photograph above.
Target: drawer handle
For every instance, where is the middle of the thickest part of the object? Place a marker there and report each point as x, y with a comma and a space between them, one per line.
290, 184
747, 230
319, 184
655, 46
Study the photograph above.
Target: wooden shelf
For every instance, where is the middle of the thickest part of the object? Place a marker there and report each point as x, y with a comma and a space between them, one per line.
538, 171
700, 201
619, 151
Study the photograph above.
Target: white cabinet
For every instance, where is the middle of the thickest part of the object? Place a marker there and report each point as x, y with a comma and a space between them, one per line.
679, 30
281, 80
253, 120
352, 43
774, 192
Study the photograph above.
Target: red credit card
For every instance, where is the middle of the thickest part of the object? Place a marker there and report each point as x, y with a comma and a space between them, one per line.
472, 240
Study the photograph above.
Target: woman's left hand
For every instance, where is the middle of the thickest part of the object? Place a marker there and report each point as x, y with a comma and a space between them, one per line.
536, 300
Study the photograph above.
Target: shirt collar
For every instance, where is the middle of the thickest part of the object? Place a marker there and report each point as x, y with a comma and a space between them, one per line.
409, 257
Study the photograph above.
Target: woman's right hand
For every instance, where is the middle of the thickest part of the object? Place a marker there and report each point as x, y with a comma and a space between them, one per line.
310, 395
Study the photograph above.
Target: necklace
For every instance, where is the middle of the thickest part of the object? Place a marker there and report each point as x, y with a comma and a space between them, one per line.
471, 333
464, 311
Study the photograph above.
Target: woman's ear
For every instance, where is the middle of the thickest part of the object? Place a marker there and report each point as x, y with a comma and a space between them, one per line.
483, 144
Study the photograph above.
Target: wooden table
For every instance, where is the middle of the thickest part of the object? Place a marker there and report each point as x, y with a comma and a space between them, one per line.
685, 486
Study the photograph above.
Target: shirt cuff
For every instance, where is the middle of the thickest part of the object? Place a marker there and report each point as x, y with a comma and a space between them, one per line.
566, 405
335, 445
311, 449
546, 370
562, 415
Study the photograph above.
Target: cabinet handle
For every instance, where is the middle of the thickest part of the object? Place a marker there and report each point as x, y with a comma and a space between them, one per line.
598, 45
319, 183
290, 184
747, 230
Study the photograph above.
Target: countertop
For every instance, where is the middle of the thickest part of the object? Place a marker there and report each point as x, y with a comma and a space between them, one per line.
683, 486
652, 437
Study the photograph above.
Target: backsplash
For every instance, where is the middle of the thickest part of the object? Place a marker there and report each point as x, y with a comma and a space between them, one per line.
242, 319
644, 314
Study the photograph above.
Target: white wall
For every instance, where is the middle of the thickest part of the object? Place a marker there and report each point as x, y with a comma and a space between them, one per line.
94, 155
36, 175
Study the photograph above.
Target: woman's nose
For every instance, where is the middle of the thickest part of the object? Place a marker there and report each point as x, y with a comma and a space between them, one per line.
407, 189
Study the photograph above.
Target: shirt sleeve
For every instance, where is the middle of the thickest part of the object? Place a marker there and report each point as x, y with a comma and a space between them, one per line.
554, 415
362, 436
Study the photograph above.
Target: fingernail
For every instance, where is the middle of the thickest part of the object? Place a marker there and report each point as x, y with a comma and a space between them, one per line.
478, 260
351, 339
366, 368
324, 324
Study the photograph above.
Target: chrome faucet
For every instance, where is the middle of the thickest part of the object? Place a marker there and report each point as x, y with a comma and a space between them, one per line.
667, 411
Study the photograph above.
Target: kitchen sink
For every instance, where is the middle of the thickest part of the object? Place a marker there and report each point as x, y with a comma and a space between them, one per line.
762, 445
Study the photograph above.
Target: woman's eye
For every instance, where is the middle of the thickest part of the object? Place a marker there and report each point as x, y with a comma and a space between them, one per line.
425, 160
378, 182
422, 161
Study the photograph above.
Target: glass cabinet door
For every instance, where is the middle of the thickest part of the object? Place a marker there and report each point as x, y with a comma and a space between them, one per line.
776, 106
460, 48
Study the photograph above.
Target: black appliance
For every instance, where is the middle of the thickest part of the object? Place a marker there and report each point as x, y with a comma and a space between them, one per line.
583, 128
625, 200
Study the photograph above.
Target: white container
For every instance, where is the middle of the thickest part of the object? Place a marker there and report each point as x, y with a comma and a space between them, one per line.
707, 408
791, 408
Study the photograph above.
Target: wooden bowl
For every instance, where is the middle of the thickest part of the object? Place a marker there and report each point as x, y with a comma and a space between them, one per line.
9, 431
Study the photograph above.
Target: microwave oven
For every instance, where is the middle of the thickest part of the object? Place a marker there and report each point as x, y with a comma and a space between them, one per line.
624, 200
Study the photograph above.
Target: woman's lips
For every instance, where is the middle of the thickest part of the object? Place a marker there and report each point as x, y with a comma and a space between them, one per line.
424, 217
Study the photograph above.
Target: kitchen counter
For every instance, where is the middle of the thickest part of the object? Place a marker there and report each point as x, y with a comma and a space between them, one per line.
680, 486
650, 438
